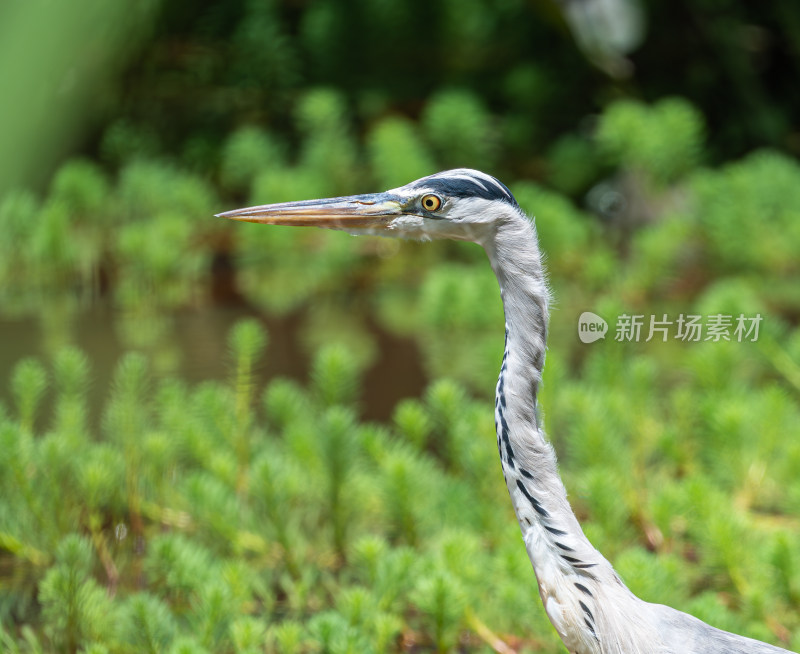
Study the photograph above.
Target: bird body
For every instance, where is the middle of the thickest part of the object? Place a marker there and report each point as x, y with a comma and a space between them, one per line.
586, 601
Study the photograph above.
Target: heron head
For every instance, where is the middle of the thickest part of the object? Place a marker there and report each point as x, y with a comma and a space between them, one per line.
461, 204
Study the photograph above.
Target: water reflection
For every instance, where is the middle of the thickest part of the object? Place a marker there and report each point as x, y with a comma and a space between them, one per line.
193, 344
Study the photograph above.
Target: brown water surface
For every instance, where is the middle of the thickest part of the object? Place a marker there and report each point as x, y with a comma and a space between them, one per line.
193, 346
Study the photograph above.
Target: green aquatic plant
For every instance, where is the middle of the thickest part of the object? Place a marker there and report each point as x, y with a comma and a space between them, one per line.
149, 187
460, 311
664, 141
414, 422
247, 342
747, 212
309, 264
146, 624
18, 210
125, 421
441, 601
213, 613
88, 231
248, 152
84, 189
339, 450
272, 492
53, 253
573, 164
75, 608
335, 376
460, 130
287, 636
327, 154
396, 152
285, 403
406, 480
248, 635
28, 385
445, 401
71, 373
176, 567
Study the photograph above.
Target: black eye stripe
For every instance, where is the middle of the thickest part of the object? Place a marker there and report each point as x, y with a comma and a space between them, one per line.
465, 184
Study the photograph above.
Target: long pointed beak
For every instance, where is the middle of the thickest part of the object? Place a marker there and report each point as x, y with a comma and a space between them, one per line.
374, 210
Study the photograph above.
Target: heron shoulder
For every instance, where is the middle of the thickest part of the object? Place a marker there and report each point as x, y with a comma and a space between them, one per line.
697, 637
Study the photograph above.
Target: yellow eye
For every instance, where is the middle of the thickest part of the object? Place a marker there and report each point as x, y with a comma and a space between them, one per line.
431, 202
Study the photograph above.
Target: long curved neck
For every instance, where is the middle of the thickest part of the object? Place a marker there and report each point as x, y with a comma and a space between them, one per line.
528, 460
561, 555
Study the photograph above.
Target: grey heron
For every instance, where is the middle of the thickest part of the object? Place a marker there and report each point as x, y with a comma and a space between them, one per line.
588, 604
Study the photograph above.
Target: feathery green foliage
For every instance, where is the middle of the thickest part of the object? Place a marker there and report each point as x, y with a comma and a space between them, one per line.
664, 141
350, 537
396, 153
75, 608
460, 131
28, 385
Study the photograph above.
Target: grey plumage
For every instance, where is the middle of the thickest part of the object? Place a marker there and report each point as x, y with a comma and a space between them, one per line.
588, 604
